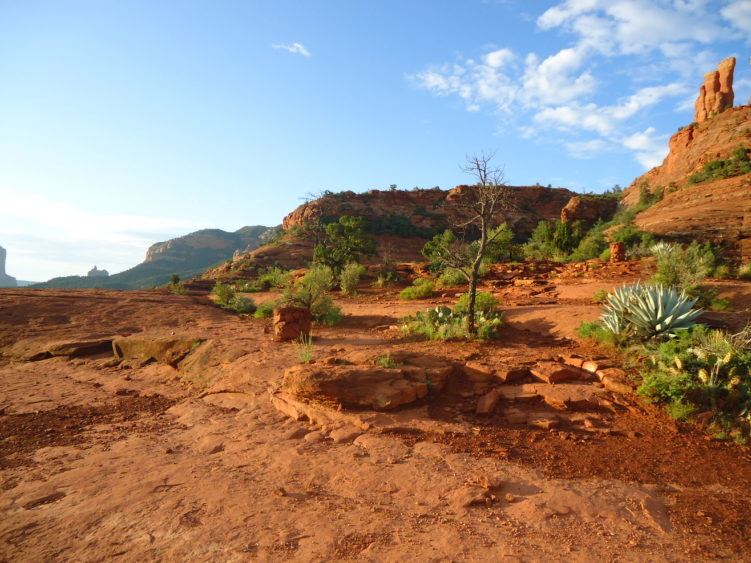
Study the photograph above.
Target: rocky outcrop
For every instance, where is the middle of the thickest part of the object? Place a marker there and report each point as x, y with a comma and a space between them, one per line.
5, 279
147, 349
97, 273
716, 94
588, 209
423, 212
364, 385
291, 323
717, 210
401, 221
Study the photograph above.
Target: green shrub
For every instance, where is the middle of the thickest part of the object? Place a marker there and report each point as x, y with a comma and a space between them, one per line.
592, 245
265, 310
596, 331
632, 237
600, 296
304, 347
387, 275
451, 277
501, 246
241, 305
553, 240
350, 277
309, 292
737, 164
680, 411
722, 272
386, 361
178, 288
343, 241
744, 272
540, 244
683, 268
703, 370
270, 278
605, 255
720, 304
484, 303
223, 293
421, 288
174, 279
441, 323
332, 315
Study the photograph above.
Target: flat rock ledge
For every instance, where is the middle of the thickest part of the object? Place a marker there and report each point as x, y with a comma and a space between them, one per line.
363, 386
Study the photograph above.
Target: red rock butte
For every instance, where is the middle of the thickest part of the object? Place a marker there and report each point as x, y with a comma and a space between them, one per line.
716, 94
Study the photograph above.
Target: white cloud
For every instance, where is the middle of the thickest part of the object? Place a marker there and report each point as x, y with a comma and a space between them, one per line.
650, 148
498, 58
738, 14
553, 80
69, 235
294, 48
586, 149
634, 26
562, 91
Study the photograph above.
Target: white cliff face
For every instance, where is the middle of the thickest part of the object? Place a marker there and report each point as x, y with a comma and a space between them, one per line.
5, 279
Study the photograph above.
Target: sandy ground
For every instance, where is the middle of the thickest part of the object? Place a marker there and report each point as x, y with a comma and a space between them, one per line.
144, 462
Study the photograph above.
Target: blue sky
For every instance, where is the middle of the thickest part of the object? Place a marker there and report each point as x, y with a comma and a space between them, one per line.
126, 123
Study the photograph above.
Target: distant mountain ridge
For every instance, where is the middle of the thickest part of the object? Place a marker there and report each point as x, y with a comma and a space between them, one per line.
185, 256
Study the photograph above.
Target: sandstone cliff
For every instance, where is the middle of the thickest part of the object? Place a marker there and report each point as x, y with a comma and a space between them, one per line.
716, 210
706, 176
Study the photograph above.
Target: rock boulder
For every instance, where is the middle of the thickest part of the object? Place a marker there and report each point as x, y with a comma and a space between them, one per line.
290, 323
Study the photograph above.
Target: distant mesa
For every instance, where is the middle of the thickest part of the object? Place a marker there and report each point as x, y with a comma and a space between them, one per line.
97, 273
5, 279
716, 94
185, 256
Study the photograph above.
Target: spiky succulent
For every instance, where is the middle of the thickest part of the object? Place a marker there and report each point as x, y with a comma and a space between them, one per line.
660, 248
660, 311
648, 311
618, 306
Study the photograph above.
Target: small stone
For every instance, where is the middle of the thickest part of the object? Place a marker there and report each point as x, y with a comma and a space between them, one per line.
510, 498
573, 360
295, 433
554, 372
345, 434
487, 403
314, 437
477, 371
616, 385
610, 372
510, 375
592, 366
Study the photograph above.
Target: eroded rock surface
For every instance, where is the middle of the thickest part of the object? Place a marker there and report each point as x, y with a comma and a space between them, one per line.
145, 348
716, 94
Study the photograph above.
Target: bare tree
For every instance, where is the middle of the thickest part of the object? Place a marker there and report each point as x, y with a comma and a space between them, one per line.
483, 205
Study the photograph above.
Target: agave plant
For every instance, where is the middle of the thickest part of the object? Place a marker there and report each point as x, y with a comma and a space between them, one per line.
661, 248
618, 306
660, 311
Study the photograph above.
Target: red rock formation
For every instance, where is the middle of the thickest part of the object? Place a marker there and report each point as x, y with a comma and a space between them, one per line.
430, 209
717, 210
290, 323
617, 252
716, 94
588, 209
